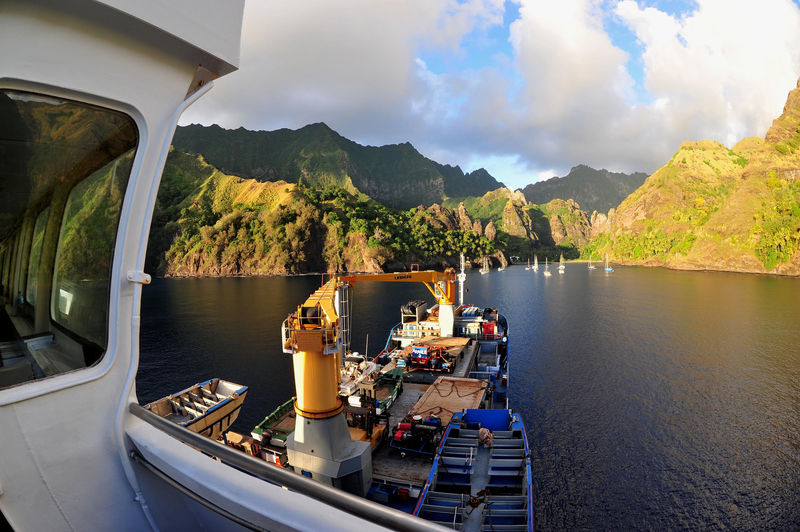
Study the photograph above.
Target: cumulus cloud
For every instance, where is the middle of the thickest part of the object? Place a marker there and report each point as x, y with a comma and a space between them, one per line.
351, 64
722, 72
559, 94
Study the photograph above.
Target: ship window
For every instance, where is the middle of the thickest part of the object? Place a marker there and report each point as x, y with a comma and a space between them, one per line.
35, 256
64, 169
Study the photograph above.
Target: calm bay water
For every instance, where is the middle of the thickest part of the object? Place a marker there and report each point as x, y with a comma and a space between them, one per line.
653, 399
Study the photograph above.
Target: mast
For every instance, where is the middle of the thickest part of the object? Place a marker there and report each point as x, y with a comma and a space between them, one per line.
461, 278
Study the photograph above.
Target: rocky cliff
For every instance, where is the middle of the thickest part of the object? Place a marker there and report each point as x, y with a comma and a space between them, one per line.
718, 208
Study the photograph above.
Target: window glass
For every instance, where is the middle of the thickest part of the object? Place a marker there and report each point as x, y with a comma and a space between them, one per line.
64, 169
79, 300
36, 256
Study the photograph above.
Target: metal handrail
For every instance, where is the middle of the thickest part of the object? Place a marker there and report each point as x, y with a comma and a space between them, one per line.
344, 501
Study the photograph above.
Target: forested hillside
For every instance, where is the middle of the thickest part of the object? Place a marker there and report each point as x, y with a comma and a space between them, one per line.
310, 200
711, 207
396, 175
207, 222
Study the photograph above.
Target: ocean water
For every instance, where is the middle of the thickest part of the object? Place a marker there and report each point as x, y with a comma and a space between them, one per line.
653, 399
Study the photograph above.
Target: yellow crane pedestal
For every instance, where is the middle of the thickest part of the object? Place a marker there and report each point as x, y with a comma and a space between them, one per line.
320, 446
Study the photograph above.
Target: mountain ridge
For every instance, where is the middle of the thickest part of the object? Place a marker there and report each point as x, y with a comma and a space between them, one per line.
397, 175
594, 190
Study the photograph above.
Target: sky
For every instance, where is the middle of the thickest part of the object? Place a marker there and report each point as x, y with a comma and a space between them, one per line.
526, 88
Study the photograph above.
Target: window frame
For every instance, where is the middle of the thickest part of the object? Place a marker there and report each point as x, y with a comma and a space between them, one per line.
38, 387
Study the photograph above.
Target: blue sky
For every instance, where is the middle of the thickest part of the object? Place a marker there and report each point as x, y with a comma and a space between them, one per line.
526, 89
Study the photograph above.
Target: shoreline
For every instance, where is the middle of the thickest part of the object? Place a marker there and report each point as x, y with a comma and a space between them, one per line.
575, 261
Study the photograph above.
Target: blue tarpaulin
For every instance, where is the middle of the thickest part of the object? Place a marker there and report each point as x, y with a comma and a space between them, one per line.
490, 419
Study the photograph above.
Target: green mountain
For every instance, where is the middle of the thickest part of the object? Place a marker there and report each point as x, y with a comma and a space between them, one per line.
594, 190
396, 175
522, 228
210, 223
310, 200
711, 207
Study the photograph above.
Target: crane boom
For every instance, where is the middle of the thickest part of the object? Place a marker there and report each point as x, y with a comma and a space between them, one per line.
440, 284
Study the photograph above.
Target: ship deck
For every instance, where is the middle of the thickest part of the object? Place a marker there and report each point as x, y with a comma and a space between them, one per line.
443, 398
465, 351
388, 464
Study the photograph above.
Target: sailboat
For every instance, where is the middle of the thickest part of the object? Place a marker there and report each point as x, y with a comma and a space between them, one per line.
561, 264
546, 268
591, 266
535, 263
485, 268
528, 267
608, 269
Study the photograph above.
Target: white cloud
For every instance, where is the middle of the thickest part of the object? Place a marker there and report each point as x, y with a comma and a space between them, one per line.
559, 96
567, 60
721, 72
350, 64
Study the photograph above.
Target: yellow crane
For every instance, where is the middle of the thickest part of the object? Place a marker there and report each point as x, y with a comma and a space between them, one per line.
314, 333
321, 444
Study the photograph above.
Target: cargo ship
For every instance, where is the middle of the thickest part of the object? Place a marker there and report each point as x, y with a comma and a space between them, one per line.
446, 448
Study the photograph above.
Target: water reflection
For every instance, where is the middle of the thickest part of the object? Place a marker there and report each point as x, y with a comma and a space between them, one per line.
653, 399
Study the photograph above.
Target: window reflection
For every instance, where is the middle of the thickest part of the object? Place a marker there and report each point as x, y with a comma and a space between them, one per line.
64, 169
86, 240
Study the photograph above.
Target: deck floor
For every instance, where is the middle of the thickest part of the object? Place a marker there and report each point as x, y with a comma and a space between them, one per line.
479, 481
387, 463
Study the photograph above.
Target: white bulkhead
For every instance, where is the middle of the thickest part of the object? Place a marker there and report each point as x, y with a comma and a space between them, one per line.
65, 436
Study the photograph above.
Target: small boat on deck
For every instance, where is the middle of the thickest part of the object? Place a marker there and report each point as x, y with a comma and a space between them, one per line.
277, 426
483, 463
208, 408
378, 392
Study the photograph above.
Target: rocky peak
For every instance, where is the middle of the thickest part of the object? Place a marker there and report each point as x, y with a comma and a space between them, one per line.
491, 231
518, 197
476, 226
599, 223
464, 221
785, 127
568, 223
515, 221
440, 217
